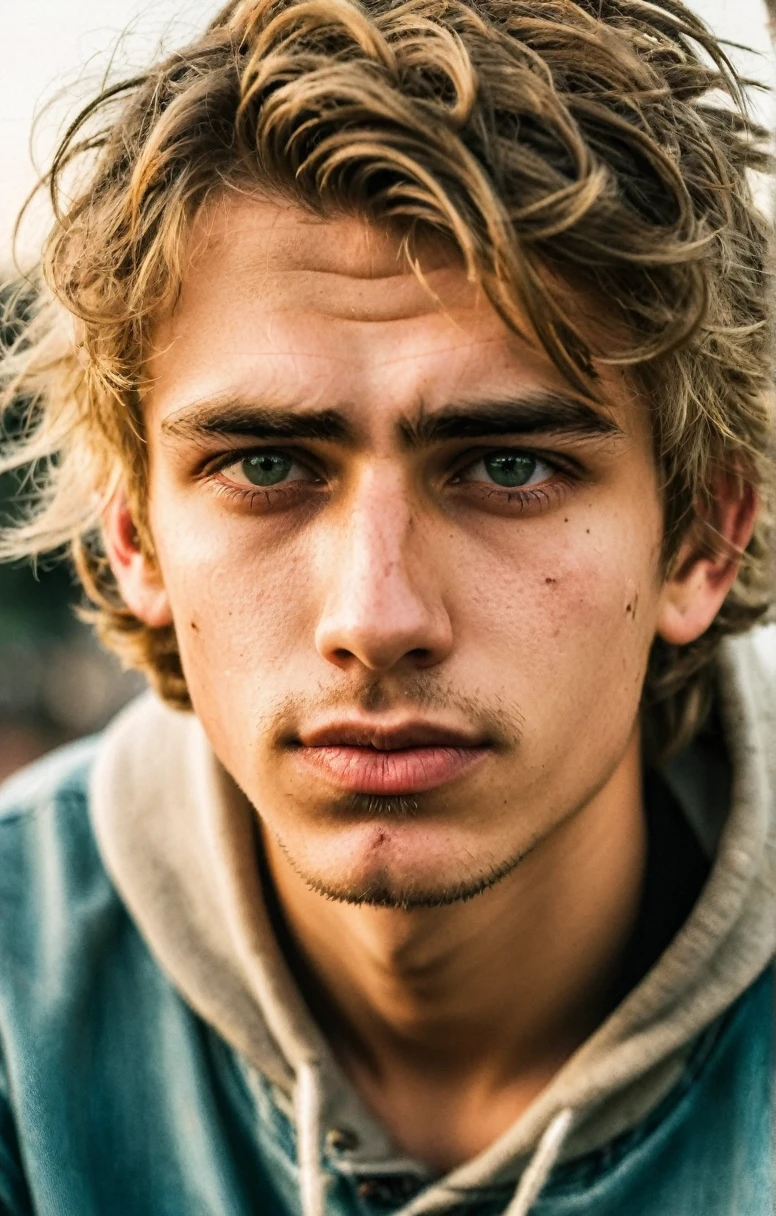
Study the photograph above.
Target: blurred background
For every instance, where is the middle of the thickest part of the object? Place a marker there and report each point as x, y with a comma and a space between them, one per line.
55, 682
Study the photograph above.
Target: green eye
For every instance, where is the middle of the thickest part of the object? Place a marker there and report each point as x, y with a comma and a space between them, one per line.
510, 468
267, 468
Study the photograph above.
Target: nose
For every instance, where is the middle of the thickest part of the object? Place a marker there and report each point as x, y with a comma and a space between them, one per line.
383, 603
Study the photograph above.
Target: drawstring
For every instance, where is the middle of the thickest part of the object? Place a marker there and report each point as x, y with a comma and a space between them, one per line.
538, 1170
307, 1104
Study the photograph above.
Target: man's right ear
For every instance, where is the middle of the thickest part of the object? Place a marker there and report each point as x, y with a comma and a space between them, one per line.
137, 575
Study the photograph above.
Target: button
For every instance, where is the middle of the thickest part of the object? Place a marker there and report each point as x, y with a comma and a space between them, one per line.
391, 1190
371, 1188
341, 1140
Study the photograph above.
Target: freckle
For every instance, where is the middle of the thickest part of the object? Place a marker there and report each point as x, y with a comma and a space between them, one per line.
628, 609
550, 580
588, 531
566, 520
195, 626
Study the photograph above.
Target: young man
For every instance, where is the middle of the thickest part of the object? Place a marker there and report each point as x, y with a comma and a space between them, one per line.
402, 387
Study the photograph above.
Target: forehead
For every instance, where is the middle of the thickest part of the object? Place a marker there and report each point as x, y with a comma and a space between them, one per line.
292, 258
312, 312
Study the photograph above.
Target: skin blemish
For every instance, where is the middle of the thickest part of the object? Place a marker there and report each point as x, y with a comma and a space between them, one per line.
551, 580
194, 626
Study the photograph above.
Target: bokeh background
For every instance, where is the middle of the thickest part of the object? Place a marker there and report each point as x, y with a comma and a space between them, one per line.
55, 682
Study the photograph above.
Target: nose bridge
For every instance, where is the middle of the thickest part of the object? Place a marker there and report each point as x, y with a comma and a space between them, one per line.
380, 532
383, 601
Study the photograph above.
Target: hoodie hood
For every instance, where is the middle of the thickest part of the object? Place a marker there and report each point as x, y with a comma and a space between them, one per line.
178, 839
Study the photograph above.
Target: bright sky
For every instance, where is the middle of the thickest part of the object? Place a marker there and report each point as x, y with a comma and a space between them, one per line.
51, 45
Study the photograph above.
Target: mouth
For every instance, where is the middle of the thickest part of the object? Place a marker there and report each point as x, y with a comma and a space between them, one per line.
407, 758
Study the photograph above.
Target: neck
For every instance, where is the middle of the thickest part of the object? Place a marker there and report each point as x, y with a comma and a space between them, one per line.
478, 1004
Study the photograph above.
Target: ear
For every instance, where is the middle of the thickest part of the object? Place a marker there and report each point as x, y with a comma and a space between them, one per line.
707, 564
137, 575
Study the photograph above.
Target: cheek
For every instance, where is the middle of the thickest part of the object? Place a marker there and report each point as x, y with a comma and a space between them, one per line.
570, 620
600, 625
237, 611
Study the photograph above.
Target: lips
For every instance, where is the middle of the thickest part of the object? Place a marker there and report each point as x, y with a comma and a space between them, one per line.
404, 758
387, 737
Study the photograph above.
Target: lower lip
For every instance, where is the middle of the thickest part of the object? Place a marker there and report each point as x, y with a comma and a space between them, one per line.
367, 770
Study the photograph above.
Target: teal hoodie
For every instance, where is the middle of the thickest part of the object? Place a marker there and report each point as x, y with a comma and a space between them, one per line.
156, 1056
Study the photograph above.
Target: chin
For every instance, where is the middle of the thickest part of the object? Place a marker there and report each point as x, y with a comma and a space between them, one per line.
398, 866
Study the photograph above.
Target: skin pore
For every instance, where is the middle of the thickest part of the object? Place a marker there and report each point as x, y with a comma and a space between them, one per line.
378, 513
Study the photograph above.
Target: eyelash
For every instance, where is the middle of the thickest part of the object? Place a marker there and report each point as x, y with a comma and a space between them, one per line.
266, 498
257, 498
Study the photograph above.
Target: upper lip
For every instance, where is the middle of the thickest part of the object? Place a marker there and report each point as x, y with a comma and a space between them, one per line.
388, 738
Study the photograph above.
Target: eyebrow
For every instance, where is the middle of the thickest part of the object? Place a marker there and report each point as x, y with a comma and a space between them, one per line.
236, 418
545, 412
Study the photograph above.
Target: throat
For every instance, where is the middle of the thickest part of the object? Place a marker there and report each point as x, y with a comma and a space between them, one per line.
446, 1010
408, 1105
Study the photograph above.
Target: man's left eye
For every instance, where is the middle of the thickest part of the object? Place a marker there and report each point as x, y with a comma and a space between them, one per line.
509, 469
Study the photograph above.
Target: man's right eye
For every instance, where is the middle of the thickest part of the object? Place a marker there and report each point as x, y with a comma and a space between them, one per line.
265, 469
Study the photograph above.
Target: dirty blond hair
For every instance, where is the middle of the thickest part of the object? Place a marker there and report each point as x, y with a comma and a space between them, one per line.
598, 144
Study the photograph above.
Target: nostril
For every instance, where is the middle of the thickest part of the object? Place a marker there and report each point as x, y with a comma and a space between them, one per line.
420, 653
341, 655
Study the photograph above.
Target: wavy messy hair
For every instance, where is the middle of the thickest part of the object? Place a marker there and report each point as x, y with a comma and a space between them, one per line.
601, 145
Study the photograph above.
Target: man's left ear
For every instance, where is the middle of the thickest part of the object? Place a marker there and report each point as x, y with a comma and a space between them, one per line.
707, 563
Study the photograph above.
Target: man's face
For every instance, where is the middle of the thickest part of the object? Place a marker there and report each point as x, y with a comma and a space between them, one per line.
413, 579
